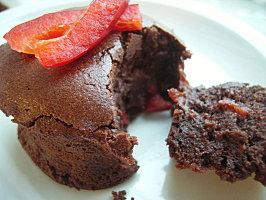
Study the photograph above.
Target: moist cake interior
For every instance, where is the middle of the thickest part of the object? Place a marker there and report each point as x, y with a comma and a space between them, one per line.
150, 65
221, 128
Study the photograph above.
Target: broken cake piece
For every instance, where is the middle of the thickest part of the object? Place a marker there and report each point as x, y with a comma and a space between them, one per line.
222, 128
120, 195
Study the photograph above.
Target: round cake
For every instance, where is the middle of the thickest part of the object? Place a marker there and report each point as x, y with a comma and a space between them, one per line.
72, 120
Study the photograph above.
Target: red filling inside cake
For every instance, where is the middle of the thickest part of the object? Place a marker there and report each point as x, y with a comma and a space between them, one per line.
150, 66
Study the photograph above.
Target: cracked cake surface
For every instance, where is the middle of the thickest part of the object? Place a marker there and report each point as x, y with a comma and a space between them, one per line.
72, 120
222, 128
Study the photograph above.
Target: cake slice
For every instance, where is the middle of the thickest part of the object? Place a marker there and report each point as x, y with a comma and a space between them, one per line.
222, 128
72, 120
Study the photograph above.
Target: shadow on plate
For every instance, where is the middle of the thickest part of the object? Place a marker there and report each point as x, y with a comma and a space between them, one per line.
187, 185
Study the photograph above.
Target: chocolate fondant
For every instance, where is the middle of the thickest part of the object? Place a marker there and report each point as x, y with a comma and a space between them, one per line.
72, 119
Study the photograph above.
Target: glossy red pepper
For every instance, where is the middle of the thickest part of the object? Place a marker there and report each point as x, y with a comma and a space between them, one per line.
131, 20
24, 37
95, 24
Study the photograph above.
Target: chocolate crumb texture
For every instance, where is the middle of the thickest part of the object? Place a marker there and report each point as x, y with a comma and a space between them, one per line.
120, 195
222, 128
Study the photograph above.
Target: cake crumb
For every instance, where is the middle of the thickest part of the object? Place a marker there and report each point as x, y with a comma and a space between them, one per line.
120, 195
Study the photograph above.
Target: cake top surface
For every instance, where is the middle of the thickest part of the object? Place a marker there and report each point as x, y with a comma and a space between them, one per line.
76, 94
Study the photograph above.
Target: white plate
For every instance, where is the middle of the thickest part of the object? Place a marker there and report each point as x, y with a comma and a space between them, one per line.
224, 49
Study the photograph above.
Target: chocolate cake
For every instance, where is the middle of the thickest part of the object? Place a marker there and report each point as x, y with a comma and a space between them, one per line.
222, 128
72, 120
2, 7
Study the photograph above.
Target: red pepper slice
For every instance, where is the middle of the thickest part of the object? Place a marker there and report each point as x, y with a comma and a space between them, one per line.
23, 37
97, 22
131, 20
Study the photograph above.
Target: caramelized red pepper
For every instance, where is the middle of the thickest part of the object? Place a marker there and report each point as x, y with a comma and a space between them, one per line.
228, 104
95, 24
23, 38
131, 20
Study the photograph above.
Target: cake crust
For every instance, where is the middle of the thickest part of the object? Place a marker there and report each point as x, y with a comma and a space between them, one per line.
29, 91
80, 159
222, 128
